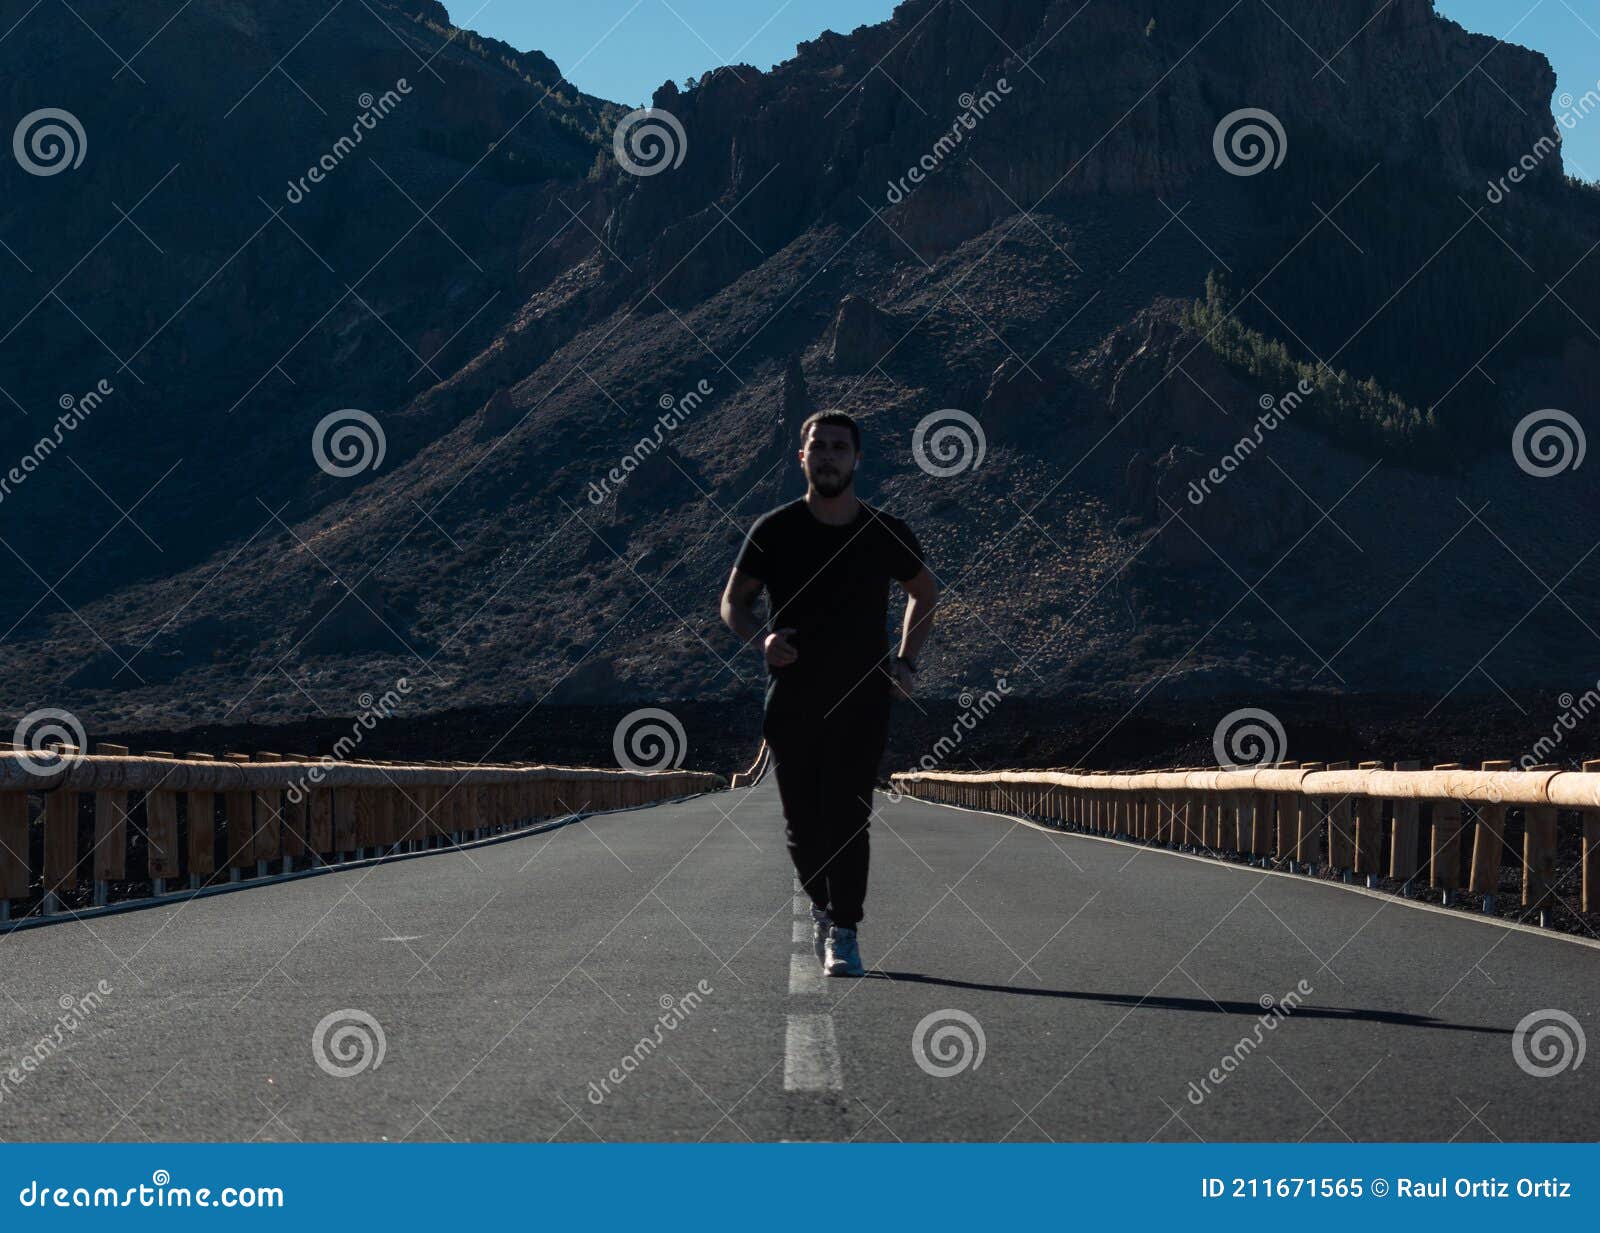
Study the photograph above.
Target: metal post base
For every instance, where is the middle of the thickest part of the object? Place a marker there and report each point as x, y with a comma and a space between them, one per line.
194, 881
101, 893
51, 904
1490, 905
158, 886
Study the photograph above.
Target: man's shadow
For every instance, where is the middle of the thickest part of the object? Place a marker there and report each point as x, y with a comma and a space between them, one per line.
1204, 1005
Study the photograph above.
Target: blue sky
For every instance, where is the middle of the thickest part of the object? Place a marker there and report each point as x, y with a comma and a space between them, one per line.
623, 49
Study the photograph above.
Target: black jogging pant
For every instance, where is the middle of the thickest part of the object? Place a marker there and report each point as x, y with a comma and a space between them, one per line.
826, 759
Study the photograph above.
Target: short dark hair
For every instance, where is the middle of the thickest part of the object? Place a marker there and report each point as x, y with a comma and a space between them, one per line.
832, 417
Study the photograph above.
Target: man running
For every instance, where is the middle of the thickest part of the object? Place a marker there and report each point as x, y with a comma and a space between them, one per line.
826, 561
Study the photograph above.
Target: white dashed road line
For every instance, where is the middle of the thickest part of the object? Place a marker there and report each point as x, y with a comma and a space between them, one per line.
811, 1055
811, 1049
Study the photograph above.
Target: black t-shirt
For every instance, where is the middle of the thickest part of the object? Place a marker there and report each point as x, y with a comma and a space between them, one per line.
831, 585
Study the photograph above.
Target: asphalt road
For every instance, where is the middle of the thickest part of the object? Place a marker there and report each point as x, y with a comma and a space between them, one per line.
509, 980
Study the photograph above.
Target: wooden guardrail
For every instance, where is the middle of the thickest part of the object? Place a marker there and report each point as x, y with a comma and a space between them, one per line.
1357, 821
216, 819
743, 779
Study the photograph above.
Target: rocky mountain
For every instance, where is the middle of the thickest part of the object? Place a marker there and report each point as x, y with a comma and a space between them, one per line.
1196, 341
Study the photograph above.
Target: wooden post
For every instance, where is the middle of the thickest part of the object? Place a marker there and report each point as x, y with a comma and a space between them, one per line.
1539, 855
60, 846
1341, 832
1589, 859
269, 821
110, 831
386, 815
366, 819
344, 821
1444, 847
1369, 832
296, 818
1488, 838
161, 833
1285, 809
1259, 807
319, 808
1403, 838
13, 850
239, 819
1308, 821
200, 806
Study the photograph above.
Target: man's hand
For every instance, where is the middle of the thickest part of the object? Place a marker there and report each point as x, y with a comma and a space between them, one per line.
779, 650
905, 680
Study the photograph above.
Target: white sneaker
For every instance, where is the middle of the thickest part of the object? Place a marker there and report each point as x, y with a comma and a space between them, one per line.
821, 923
843, 955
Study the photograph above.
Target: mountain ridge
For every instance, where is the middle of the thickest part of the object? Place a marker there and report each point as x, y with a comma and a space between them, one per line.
473, 560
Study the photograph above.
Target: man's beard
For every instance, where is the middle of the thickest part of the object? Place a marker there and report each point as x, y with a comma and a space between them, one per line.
832, 483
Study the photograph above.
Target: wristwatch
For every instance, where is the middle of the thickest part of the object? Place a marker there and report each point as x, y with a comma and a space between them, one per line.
907, 661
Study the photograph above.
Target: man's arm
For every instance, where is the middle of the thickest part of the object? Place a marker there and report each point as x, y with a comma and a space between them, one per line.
918, 623
739, 606
739, 615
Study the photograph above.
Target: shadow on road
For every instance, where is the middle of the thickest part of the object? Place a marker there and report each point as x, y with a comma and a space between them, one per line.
1206, 1005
